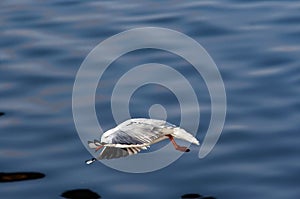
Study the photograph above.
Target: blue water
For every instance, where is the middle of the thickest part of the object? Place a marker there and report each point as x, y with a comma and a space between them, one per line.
255, 45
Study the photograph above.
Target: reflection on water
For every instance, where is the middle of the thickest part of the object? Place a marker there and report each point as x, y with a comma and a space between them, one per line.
80, 194
195, 196
20, 176
1, 113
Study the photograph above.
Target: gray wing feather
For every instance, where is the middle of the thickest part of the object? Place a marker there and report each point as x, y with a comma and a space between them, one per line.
112, 152
125, 137
140, 131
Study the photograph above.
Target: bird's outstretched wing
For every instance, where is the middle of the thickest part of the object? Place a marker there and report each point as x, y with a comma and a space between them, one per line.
131, 136
140, 132
111, 151
114, 152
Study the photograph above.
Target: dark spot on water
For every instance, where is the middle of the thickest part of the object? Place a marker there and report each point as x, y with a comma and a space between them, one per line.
195, 196
80, 194
1, 113
191, 196
20, 176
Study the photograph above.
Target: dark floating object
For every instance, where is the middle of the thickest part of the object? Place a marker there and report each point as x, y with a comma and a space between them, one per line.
191, 196
80, 194
20, 176
1, 113
195, 196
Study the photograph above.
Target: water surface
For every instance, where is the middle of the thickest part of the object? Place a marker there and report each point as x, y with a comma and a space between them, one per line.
255, 45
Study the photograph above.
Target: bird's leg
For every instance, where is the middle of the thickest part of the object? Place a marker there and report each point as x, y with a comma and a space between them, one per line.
176, 146
98, 148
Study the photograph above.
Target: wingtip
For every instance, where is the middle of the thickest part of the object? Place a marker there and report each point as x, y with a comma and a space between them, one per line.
97, 142
88, 162
92, 144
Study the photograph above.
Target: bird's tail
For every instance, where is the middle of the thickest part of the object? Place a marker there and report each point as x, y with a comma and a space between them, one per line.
182, 134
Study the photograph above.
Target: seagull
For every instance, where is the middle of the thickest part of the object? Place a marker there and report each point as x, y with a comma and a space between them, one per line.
133, 135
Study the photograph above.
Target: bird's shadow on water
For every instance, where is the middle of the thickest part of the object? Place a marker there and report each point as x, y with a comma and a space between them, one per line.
88, 194
75, 193
195, 196
20, 176
80, 194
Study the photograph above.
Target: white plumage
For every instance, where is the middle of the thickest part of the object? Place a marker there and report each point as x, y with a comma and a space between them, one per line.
133, 135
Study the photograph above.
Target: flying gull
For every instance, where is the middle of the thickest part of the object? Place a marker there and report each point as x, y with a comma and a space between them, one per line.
133, 135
